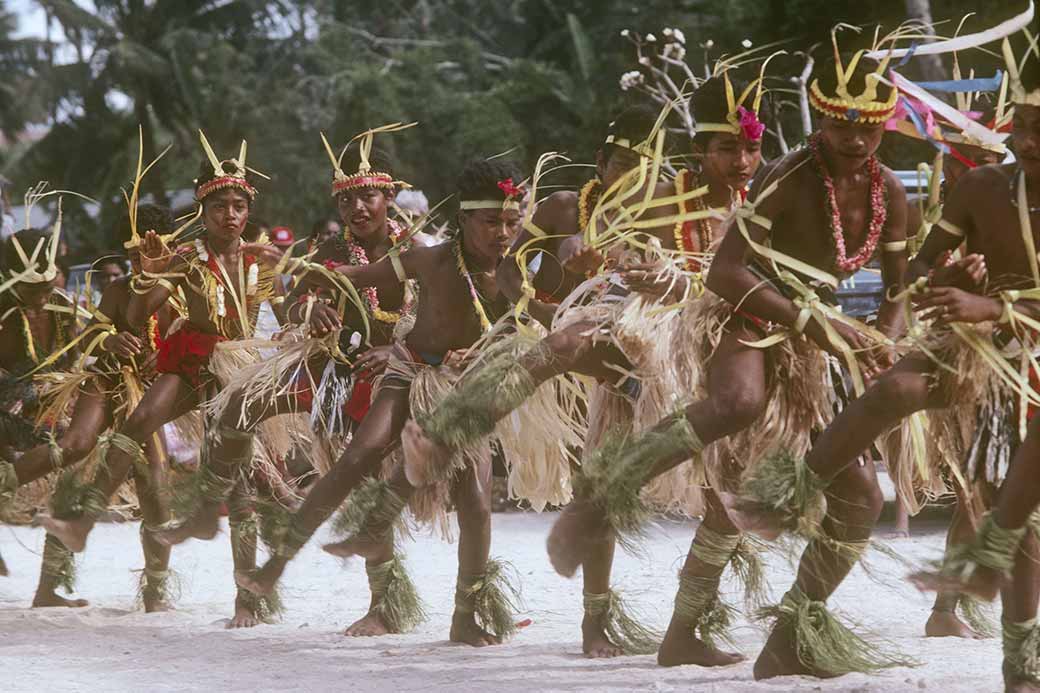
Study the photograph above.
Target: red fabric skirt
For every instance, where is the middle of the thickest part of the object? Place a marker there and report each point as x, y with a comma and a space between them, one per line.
186, 353
355, 408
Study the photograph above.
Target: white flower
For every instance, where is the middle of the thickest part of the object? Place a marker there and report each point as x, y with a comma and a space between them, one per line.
221, 308
679, 36
644, 60
631, 79
709, 44
625, 33
746, 43
650, 38
667, 31
200, 250
674, 50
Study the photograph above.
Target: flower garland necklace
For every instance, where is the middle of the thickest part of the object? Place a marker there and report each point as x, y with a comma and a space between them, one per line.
221, 283
30, 340
357, 256
587, 199
684, 229
878, 211
478, 305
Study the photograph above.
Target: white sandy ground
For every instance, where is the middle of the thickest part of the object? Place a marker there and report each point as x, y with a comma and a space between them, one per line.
111, 647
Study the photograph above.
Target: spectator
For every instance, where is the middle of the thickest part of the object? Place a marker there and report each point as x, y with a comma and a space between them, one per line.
322, 230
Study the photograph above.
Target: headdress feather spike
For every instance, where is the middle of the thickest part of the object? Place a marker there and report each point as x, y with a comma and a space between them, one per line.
223, 179
365, 177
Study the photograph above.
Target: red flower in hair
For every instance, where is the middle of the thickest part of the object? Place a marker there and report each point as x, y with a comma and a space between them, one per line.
510, 189
750, 125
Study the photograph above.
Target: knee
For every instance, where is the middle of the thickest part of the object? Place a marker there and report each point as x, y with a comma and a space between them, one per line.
857, 494
740, 408
139, 425
895, 395
74, 447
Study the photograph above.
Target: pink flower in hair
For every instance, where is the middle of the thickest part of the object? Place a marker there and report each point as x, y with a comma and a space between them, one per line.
750, 125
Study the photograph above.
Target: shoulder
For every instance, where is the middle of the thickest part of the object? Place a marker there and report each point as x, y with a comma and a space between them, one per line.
986, 177
894, 186
558, 204
421, 239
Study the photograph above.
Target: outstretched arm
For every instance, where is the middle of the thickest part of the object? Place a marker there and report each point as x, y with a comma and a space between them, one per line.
148, 294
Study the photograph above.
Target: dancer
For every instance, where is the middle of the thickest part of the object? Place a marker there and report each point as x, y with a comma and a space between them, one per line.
611, 336
223, 285
765, 381
964, 141
992, 212
322, 373
35, 329
100, 397
458, 301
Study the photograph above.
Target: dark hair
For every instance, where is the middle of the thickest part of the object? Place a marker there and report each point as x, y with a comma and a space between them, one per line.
28, 239
634, 123
709, 104
206, 174
479, 179
828, 79
150, 217
379, 159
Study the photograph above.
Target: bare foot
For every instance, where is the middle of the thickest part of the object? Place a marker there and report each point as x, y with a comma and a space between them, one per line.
594, 642
579, 527
680, 646
360, 545
261, 582
424, 460
983, 584
780, 658
898, 534
244, 616
154, 604
50, 599
464, 629
205, 525
1013, 683
749, 516
369, 625
71, 533
945, 624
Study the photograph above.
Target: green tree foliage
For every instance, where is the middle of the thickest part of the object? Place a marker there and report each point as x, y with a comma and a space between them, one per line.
481, 78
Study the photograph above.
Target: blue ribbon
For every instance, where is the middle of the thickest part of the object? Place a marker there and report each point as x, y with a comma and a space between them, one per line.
909, 54
965, 85
918, 123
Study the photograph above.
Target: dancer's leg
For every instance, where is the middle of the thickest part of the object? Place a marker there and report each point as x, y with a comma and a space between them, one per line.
376, 437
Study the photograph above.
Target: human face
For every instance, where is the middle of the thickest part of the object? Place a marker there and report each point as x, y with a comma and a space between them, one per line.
730, 160
225, 214
849, 145
34, 294
363, 210
1025, 138
489, 233
615, 163
108, 273
330, 230
954, 168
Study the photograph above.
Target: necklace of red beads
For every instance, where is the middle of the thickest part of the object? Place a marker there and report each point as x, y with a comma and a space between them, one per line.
878, 212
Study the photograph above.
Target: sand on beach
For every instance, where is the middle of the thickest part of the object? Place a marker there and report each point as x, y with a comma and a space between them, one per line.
112, 646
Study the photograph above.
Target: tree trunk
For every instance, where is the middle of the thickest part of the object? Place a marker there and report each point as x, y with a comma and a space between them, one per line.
929, 67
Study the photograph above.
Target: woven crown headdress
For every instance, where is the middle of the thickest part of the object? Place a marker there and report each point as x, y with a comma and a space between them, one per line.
222, 178
844, 105
364, 177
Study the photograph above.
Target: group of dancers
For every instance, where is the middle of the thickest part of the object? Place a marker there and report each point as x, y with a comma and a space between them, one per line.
666, 338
